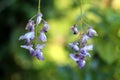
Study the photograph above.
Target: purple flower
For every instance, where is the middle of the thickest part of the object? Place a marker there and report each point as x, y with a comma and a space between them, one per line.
74, 29
28, 36
74, 57
28, 47
39, 18
91, 32
40, 46
81, 63
45, 27
78, 59
84, 53
84, 50
30, 25
84, 39
42, 37
74, 46
38, 53
88, 47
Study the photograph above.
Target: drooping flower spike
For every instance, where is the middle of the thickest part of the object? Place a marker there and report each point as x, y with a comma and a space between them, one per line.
81, 47
34, 41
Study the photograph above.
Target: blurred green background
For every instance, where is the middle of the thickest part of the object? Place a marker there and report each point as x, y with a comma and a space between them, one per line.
17, 64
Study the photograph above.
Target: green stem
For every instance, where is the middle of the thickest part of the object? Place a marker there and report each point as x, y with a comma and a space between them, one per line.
81, 22
81, 16
36, 26
38, 6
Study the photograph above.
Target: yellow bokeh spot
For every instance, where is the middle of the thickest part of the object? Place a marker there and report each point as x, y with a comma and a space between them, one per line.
116, 4
62, 4
57, 54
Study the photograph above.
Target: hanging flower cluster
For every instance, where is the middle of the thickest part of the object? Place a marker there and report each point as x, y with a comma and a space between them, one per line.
80, 47
35, 38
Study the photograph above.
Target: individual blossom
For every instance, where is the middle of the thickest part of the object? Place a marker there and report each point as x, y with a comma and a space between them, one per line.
39, 18
74, 29
74, 46
28, 47
80, 60
91, 32
42, 37
38, 54
30, 25
85, 49
81, 63
88, 47
74, 57
40, 46
84, 39
45, 27
28, 37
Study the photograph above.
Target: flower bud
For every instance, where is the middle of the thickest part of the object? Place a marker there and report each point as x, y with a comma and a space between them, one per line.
39, 18
74, 29
91, 32
45, 26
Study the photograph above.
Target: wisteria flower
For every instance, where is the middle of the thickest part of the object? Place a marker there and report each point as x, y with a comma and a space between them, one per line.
42, 37
88, 47
84, 50
28, 47
39, 18
74, 46
38, 53
84, 37
78, 59
30, 25
28, 36
91, 32
40, 46
74, 29
45, 26
81, 63
74, 57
